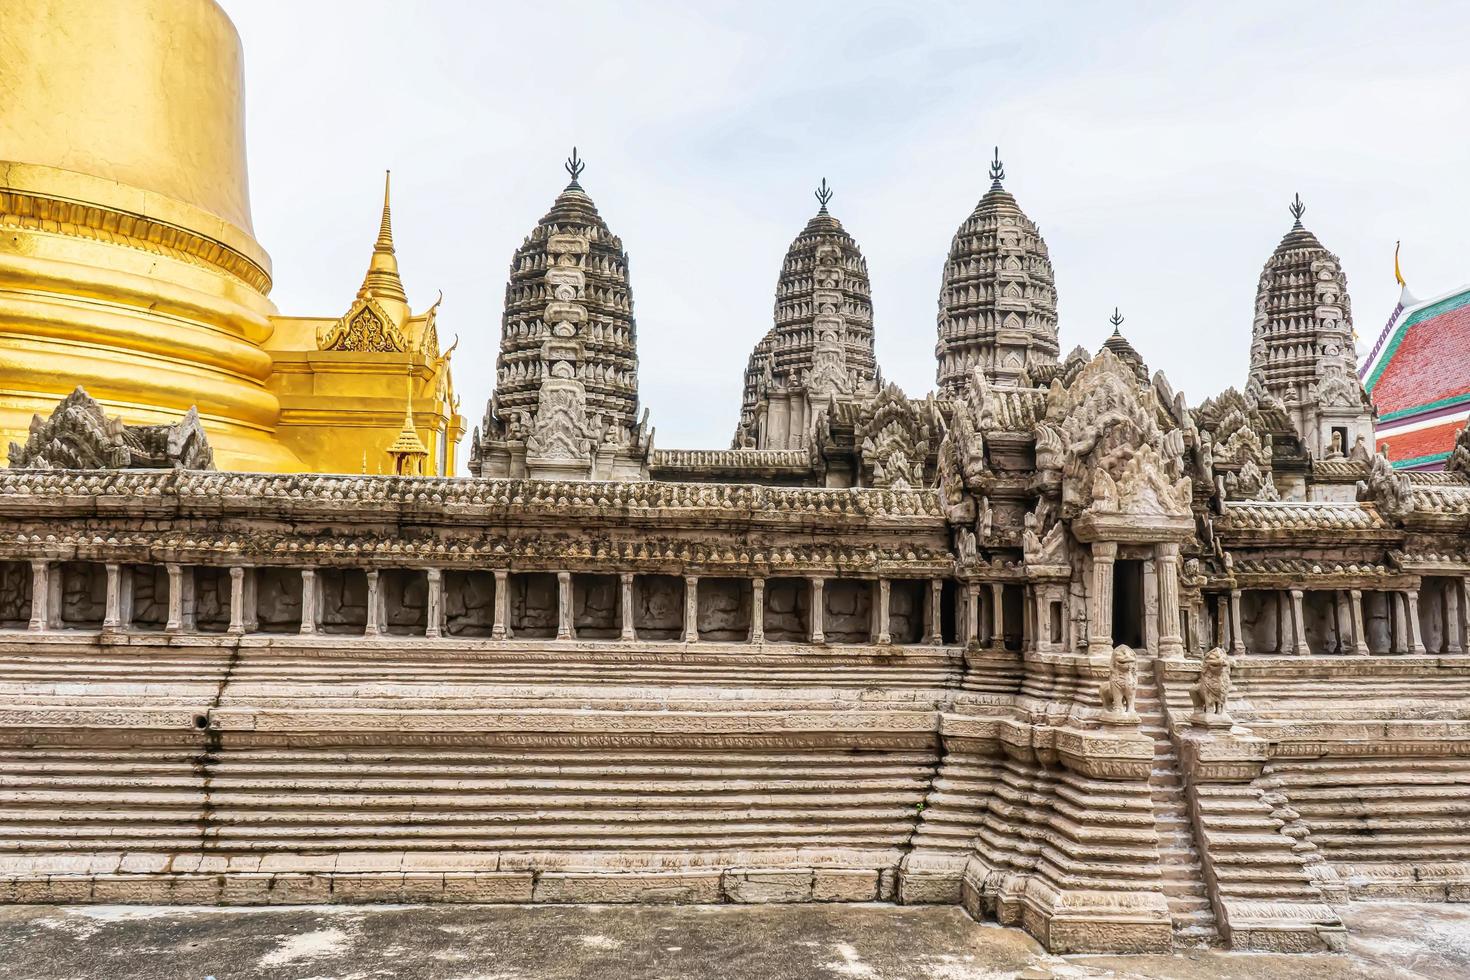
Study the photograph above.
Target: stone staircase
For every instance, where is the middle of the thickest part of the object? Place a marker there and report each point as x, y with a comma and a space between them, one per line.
1179, 859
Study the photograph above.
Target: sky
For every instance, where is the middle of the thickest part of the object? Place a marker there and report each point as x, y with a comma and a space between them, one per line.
1157, 145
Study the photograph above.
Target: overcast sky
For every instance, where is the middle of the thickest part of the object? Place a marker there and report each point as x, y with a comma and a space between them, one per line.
1157, 146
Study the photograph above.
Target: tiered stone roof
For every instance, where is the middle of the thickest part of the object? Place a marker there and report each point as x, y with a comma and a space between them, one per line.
998, 300
822, 337
542, 303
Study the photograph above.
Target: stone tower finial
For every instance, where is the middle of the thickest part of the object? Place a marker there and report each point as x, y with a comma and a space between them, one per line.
1297, 210
997, 171
575, 165
1116, 320
823, 194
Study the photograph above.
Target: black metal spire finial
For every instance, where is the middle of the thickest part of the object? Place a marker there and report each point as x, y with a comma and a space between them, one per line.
575, 165
997, 171
1297, 210
823, 195
1116, 320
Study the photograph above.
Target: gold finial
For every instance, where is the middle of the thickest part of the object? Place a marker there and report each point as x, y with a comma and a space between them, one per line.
385, 228
382, 280
1396, 273
408, 452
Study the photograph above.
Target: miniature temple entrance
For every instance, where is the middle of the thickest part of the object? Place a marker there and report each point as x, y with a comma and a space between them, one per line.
1128, 612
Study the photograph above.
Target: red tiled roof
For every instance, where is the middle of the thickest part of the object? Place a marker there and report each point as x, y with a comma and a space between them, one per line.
1421, 442
1430, 363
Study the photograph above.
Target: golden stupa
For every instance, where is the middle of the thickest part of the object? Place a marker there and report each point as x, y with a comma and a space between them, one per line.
128, 264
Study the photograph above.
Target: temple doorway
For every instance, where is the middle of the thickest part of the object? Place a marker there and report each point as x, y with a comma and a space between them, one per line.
1128, 603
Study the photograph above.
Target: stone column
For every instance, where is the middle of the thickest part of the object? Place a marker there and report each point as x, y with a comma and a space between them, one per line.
500, 630
175, 622
691, 608
371, 627
971, 636
1166, 561
252, 600
309, 600
1452, 622
936, 611
1355, 611
1041, 619
434, 612
1416, 641
1298, 626
998, 615
818, 612
1100, 615
626, 581
1237, 639
1462, 599
1400, 643
882, 634
112, 620
237, 601
564, 606
40, 595
757, 610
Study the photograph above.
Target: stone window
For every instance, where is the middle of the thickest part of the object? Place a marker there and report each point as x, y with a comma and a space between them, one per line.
277, 599
949, 613
83, 593
787, 611
469, 603
15, 594
1380, 621
1439, 614
1319, 616
343, 604
405, 601
848, 616
533, 605
658, 607
724, 609
1013, 604
149, 584
597, 607
907, 599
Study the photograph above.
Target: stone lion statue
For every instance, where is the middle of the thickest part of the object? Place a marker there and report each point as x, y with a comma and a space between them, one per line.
1213, 690
1120, 690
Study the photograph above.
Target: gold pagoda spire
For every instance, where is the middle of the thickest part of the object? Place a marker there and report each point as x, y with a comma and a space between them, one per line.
408, 450
381, 281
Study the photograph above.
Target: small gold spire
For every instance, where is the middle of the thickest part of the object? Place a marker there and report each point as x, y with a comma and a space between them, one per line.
381, 281
408, 450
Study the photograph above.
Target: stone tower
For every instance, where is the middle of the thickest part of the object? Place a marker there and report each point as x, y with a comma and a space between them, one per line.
1302, 352
566, 395
998, 300
821, 344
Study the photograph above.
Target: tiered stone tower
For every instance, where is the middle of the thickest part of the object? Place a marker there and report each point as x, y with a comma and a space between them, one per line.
566, 396
998, 301
1302, 352
822, 342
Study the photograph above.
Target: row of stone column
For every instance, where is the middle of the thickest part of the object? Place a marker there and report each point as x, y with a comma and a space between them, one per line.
1291, 620
46, 596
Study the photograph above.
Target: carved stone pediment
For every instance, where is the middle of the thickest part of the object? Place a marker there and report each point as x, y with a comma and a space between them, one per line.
1387, 489
894, 438
78, 435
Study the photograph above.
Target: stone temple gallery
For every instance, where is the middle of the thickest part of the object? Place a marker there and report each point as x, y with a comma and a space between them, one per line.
1055, 643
